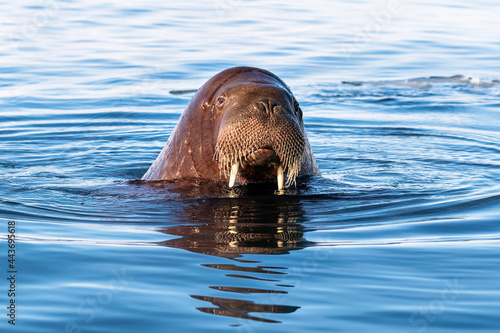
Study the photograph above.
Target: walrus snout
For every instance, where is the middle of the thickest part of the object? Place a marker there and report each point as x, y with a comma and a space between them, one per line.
261, 141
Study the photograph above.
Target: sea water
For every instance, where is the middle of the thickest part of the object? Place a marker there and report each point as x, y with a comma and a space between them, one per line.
400, 234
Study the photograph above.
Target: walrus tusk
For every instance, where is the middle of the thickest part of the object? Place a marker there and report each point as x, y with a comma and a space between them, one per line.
234, 173
280, 178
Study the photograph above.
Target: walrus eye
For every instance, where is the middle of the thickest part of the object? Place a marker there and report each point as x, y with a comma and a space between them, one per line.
220, 101
295, 104
297, 108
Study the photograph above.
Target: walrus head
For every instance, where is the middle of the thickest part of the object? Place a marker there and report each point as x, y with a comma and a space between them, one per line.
243, 123
261, 135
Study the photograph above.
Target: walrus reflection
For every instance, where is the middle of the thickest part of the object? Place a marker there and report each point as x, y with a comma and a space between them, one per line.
237, 227
240, 308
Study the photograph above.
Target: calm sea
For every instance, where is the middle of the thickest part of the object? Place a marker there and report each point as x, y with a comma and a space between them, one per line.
401, 234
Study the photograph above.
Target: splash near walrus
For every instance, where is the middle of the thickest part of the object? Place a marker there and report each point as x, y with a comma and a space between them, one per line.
242, 126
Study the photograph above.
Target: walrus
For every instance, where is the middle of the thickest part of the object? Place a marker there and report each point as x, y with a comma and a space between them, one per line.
244, 123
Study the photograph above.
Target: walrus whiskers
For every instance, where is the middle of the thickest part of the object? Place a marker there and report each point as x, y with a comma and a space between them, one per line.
232, 151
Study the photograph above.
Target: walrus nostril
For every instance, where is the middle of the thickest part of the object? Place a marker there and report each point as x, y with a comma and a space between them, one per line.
269, 106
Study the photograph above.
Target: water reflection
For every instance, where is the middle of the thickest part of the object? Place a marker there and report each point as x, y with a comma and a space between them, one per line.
232, 228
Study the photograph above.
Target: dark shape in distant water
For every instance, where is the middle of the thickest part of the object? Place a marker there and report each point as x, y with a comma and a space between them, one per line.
427, 82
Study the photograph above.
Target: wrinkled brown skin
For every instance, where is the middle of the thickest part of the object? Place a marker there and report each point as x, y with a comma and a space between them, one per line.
189, 152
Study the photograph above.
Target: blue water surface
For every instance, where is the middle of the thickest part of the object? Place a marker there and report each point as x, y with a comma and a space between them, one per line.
400, 234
